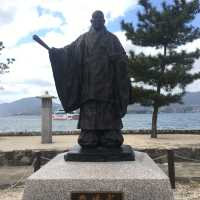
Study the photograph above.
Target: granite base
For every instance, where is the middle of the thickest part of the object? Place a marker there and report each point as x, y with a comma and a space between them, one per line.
141, 179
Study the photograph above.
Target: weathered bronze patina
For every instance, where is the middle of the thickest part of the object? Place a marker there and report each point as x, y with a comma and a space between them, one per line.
91, 74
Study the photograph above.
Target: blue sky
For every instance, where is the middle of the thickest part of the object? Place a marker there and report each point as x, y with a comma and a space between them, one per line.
58, 23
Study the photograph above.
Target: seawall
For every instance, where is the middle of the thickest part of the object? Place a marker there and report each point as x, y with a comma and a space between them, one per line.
76, 132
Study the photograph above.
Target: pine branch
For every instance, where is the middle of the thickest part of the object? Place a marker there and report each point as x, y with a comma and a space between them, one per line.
149, 97
169, 26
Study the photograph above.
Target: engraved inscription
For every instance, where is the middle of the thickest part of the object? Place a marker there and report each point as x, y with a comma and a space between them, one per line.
96, 196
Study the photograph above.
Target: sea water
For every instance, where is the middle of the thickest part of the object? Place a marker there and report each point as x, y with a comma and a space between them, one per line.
182, 121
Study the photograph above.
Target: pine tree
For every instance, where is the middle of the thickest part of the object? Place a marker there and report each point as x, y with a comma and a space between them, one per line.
4, 65
169, 72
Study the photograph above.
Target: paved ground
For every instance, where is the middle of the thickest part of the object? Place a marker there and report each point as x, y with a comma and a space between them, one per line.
14, 175
184, 170
185, 190
164, 141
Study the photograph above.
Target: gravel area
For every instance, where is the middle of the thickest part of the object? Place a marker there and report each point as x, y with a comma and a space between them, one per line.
189, 190
12, 194
164, 141
187, 186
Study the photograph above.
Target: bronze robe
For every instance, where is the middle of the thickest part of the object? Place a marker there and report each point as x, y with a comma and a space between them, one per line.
91, 74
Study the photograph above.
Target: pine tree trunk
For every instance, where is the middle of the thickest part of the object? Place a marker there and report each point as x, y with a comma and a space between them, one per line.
155, 107
154, 122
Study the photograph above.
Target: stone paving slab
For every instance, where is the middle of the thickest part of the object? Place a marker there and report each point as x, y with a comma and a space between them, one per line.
164, 141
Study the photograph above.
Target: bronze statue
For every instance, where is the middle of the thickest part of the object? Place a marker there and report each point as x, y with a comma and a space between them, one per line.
91, 74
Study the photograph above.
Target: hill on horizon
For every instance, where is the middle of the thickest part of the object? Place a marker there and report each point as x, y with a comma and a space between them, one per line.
32, 105
25, 106
190, 99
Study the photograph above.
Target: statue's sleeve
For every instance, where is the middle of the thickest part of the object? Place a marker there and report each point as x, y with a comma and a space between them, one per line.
66, 66
122, 81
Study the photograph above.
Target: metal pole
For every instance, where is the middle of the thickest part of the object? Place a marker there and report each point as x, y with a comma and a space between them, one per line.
37, 163
171, 168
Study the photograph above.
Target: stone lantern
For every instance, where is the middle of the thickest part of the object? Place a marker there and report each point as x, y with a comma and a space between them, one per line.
46, 113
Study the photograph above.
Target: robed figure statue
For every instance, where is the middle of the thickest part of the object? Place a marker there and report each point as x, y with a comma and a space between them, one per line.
91, 74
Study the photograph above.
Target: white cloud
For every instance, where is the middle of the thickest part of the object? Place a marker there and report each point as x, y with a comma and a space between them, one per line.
77, 15
6, 15
27, 23
32, 63
20, 18
194, 87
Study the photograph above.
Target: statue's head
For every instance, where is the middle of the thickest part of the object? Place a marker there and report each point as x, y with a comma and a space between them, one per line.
98, 20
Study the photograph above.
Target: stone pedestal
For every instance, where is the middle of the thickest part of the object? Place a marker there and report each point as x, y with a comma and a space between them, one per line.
141, 179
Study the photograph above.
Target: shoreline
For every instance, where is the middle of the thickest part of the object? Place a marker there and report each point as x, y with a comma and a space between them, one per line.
125, 132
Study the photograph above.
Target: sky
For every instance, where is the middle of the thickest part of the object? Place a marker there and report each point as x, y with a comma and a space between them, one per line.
58, 23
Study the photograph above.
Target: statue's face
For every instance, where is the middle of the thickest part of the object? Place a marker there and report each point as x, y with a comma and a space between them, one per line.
97, 21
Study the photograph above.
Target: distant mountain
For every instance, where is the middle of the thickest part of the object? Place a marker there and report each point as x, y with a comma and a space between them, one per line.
32, 106
191, 103
192, 98
25, 106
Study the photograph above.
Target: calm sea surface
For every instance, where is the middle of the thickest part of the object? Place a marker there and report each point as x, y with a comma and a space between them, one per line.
131, 121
